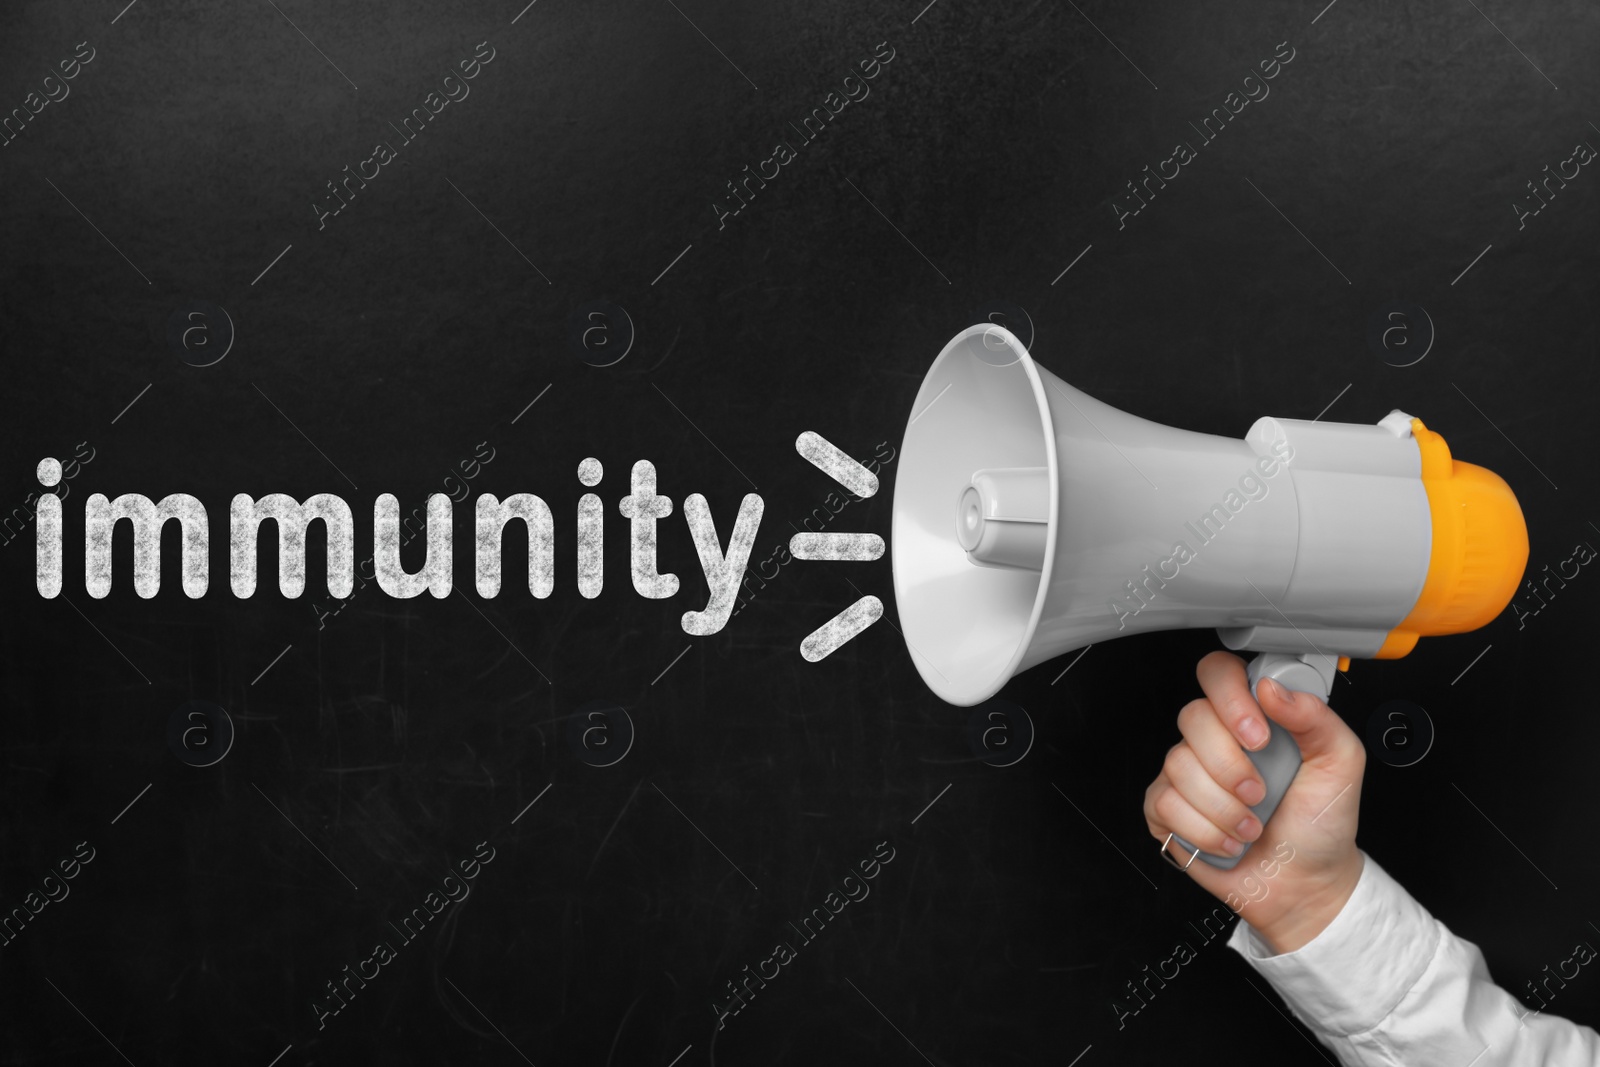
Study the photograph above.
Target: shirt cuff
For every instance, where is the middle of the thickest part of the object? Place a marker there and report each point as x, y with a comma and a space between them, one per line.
1337, 978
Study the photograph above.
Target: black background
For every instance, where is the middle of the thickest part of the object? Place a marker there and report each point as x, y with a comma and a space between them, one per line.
396, 735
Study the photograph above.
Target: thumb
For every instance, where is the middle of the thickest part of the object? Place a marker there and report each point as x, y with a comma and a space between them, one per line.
1316, 728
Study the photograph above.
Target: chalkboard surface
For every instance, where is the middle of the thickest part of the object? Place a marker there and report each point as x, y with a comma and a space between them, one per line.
272, 247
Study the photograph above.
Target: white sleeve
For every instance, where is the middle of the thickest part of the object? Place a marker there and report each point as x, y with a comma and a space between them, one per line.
1388, 985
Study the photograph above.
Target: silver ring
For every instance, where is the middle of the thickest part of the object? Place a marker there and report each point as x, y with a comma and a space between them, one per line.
1170, 858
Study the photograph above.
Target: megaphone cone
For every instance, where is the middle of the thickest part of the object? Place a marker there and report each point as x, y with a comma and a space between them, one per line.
1031, 519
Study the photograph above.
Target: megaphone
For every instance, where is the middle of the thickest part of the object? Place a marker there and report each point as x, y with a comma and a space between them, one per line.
1031, 520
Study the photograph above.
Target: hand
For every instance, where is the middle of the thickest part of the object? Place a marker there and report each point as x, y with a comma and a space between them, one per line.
1207, 783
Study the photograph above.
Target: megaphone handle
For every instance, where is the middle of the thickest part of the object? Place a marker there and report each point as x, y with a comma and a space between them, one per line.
1279, 761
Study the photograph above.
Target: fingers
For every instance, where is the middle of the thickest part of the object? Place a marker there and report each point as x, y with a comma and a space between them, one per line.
1223, 679
1166, 809
1219, 753
1220, 807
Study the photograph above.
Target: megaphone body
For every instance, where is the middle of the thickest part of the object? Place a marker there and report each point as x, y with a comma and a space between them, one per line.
1031, 520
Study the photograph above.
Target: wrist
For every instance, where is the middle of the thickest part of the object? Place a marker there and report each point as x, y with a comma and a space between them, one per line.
1315, 910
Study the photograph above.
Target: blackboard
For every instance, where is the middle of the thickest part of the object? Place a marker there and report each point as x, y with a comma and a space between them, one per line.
216, 283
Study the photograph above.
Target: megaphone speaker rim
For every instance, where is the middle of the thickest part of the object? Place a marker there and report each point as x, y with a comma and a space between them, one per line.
951, 692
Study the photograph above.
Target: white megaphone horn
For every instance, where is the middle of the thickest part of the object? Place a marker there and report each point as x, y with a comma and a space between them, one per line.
1030, 520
